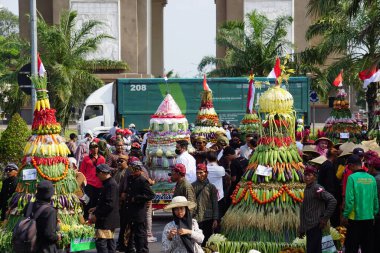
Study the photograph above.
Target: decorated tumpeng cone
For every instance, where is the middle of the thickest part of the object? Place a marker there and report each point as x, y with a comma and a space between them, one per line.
266, 202
45, 158
167, 126
207, 121
250, 123
341, 122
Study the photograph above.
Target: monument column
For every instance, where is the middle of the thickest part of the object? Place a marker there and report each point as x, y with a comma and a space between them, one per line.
220, 19
301, 23
234, 10
158, 37
58, 7
142, 11
129, 34
227, 10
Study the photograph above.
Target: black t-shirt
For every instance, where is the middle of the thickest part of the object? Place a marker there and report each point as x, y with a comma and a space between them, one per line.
238, 167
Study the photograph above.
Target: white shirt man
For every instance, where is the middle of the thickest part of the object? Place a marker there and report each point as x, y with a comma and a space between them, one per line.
114, 128
215, 176
245, 150
189, 161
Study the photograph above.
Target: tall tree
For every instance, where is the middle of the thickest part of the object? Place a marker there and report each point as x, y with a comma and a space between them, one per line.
14, 53
64, 48
251, 44
8, 23
349, 38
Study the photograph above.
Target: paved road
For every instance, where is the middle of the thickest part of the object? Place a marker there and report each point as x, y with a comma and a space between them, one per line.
160, 219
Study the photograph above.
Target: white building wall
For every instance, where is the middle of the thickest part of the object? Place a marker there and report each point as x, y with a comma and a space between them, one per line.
108, 12
273, 9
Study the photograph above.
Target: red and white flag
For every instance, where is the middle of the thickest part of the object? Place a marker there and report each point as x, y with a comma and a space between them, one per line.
369, 76
251, 94
40, 66
276, 71
338, 81
205, 85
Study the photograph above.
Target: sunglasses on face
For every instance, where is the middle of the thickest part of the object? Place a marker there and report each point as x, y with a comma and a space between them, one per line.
7, 170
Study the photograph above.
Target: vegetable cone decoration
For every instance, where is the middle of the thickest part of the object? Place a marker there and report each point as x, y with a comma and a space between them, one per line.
167, 126
250, 122
207, 121
341, 121
45, 158
266, 202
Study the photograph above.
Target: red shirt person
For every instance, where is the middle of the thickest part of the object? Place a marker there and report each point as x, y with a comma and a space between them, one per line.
88, 168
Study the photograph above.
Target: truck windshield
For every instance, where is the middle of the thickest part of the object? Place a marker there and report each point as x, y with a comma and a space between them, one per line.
93, 111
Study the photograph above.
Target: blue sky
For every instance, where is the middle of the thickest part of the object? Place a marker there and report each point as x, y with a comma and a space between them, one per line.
189, 33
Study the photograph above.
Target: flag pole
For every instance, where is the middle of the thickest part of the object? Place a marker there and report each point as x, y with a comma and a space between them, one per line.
33, 52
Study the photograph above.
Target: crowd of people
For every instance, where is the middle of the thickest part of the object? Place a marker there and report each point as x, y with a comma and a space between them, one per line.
342, 187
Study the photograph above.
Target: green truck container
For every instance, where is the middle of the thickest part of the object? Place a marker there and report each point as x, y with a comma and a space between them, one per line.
138, 99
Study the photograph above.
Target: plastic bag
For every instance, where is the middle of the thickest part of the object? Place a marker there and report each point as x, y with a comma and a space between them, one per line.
328, 245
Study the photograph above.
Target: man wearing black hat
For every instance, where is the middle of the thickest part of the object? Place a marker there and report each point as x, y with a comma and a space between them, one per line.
106, 212
8, 188
136, 196
347, 172
46, 222
361, 207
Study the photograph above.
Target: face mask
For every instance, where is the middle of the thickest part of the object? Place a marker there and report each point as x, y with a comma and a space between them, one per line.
178, 152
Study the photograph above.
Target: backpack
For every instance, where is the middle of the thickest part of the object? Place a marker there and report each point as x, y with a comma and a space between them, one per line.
25, 232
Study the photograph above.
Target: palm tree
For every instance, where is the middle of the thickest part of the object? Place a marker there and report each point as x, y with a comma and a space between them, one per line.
349, 39
64, 48
253, 44
322, 7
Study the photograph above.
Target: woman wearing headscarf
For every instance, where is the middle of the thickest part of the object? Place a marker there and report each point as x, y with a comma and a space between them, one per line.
323, 144
103, 148
183, 233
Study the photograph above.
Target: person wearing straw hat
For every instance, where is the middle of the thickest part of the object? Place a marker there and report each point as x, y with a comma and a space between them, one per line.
309, 152
345, 151
318, 161
183, 233
323, 144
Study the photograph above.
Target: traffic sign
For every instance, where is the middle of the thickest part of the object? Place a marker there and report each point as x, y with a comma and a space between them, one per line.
313, 96
24, 82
